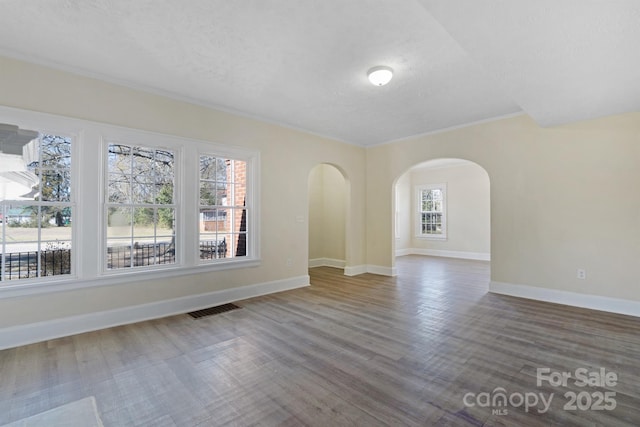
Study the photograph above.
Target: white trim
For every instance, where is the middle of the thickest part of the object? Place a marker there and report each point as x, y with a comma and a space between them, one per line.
381, 270
327, 262
405, 251
593, 302
373, 269
14, 336
355, 270
116, 277
478, 256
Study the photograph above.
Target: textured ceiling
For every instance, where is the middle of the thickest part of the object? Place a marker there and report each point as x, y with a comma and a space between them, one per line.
303, 63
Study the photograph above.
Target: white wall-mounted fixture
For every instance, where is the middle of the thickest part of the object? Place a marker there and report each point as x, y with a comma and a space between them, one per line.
16, 151
380, 75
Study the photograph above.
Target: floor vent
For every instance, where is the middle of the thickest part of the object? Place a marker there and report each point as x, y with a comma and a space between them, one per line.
213, 310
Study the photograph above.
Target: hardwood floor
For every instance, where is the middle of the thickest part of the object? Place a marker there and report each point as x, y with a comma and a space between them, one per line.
418, 350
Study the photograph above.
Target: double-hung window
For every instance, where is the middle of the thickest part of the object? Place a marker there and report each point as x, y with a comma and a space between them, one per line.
89, 204
140, 206
432, 220
36, 204
223, 210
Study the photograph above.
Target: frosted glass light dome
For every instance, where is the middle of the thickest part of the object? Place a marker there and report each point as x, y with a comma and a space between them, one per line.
380, 76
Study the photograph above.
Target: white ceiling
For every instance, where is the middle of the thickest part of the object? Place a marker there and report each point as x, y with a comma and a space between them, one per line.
303, 63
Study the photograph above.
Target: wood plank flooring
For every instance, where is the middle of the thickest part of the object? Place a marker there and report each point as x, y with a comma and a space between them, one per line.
365, 351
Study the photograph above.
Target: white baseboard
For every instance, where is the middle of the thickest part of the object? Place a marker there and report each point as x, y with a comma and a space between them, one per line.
405, 251
355, 270
478, 256
373, 269
14, 336
326, 262
594, 302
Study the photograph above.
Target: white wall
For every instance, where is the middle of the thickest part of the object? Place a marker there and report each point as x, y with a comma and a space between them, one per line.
327, 216
562, 198
403, 220
467, 211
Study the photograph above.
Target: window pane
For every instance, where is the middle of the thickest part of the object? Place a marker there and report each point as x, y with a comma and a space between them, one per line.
145, 252
166, 220
56, 151
213, 168
20, 262
142, 191
212, 193
212, 220
55, 257
56, 223
164, 193
22, 223
119, 158
55, 186
428, 206
166, 251
241, 244
164, 175
225, 219
212, 246
143, 161
119, 222
144, 223
118, 253
119, 190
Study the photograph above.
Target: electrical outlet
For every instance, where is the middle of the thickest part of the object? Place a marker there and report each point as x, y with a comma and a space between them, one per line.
582, 274
289, 262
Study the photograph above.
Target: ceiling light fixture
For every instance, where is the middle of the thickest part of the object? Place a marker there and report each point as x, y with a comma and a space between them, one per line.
380, 75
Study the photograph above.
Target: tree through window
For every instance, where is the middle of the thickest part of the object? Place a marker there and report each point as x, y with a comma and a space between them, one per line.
140, 207
36, 207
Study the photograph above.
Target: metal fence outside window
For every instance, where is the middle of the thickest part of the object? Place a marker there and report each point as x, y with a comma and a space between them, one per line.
24, 265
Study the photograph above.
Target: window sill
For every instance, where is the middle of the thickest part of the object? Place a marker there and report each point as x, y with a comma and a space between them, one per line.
12, 290
424, 237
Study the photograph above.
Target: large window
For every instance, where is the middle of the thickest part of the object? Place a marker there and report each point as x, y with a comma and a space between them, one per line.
36, 204
89, 204
432, 221
222, 208
140, 207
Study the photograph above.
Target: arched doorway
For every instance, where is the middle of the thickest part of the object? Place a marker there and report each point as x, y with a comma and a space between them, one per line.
328, 196
442, 208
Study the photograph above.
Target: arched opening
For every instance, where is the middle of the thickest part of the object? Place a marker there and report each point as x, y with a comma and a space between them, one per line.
442, 208
328, 211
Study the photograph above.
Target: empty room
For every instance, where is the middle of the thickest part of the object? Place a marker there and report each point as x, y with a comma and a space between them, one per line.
322, 213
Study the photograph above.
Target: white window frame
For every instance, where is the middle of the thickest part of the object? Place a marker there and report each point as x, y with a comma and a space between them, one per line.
88, 177
177, 151
251, 158
44, 125
418, 211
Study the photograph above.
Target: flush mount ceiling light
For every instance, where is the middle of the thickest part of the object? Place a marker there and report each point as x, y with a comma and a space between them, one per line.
380, 75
